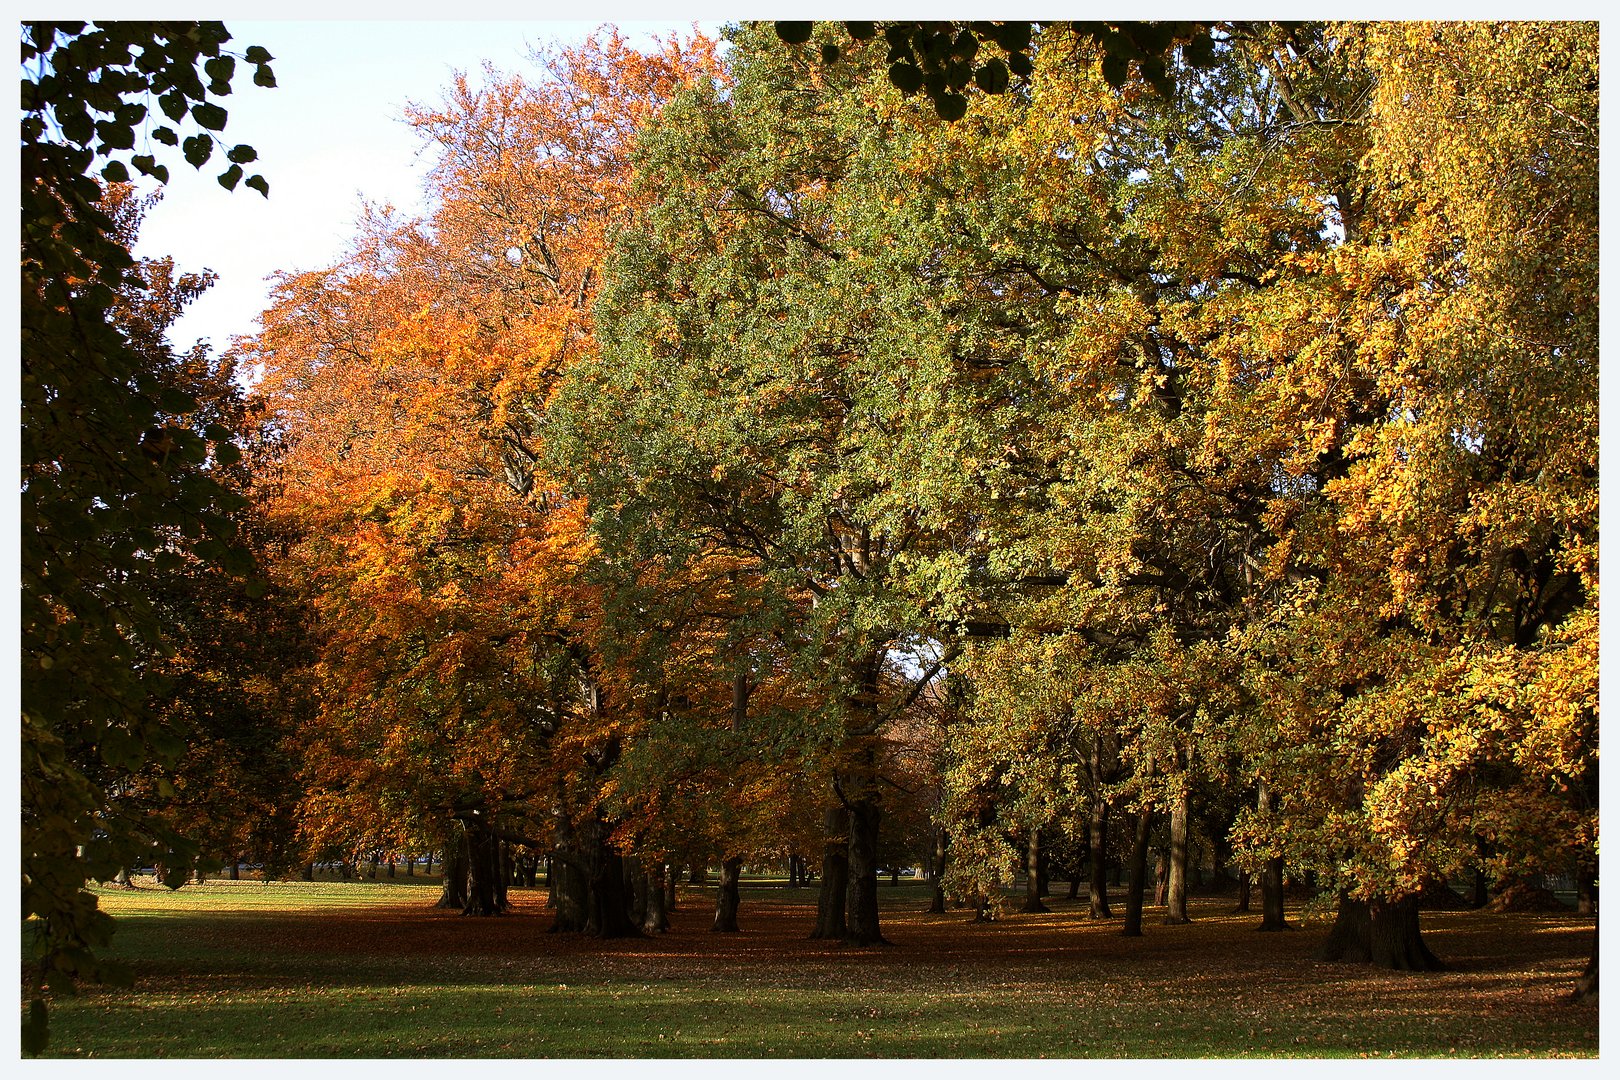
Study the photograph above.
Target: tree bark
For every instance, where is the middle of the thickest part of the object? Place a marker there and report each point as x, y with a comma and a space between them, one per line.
830, 914
607, 908
1137, 890
725, 907
863, 927
656, 918
486, 885
1271, 896
1586, 891
1176, 900
453, 894
1098, 883
1587, 984
936, 901
1379, 932
1032, 876
1245, 886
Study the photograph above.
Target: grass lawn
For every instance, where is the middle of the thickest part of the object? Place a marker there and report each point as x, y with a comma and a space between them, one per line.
247, 969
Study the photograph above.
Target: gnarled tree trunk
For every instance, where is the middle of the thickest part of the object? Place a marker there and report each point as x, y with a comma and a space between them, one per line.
1380, 932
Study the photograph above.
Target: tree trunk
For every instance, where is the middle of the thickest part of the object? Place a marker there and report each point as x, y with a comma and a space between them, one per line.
831, 922
863, 927
936, 900
1161, 877
1271, 896
1137, 890
699, 874
607, 908
1245, 885
454, 893
1032, 876
1378, 932
1586, 985
235, 872
1176, 900
1586, 891
309, 871
410, 865
1098, 884
486, 885
725, 906
668, 873
656, 918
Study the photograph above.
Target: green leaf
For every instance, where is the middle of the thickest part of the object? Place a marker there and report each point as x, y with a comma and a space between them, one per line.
241, 154
166, 136
263, 76
173, 400
115, 172
794, 33
257, 54
220, 69
906, 78
259, 184
174, 106
1115, 70
950, 106
1013, 36
992, 77
198, 149
230, 178
209, 115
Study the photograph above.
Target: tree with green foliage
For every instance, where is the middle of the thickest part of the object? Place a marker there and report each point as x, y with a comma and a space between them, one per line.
117, 494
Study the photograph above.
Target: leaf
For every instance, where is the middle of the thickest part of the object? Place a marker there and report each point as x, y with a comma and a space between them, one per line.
1116, 69
861, 31
230, 178
220, 69
259, 184
116, 172
992, 77
208, 115
263, 76
257, 54
950, 106
241, 154
197, 150
794, 33
906, 78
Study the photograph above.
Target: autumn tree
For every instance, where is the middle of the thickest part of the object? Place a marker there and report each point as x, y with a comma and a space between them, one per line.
459, 680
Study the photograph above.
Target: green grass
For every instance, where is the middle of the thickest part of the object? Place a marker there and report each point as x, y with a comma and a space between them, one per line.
243, 969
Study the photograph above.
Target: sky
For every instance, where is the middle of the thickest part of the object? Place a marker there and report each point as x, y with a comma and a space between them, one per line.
329, 136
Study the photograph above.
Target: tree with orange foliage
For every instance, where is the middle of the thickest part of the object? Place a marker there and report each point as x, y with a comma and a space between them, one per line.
459, 686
